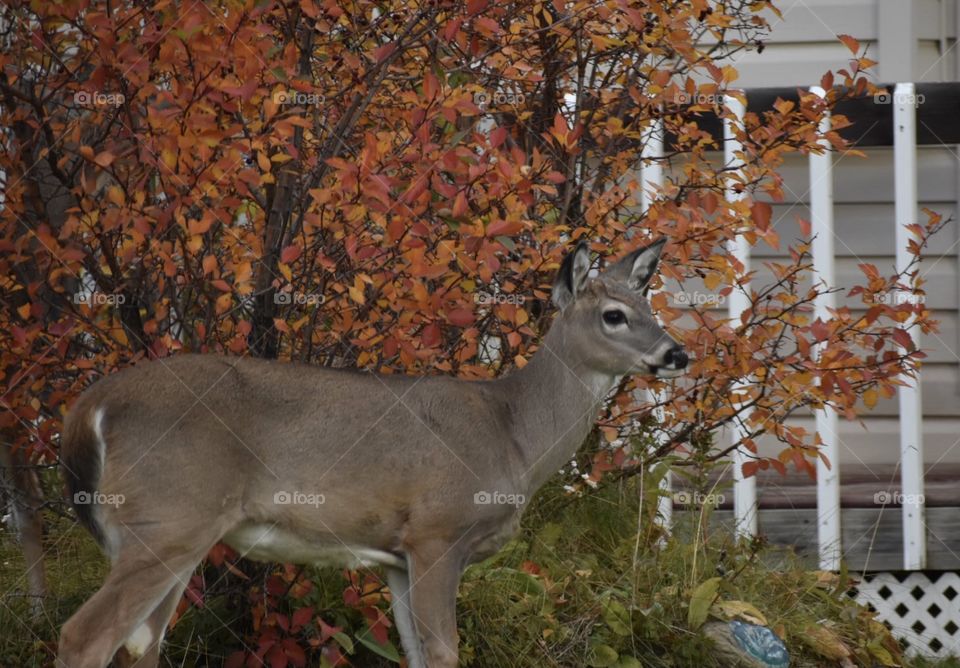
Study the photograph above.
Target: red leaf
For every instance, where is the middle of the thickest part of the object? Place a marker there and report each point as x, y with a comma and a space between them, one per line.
461, 317
430, 335
290, 253
383, 52
820, 330
276, 657
902, 338
451, 28
390, 346
430, 85
301, 617
497, 137
474, 7
235, 660
459, 204
294, 652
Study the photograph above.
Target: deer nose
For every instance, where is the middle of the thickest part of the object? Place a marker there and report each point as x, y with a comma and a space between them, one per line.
677, 358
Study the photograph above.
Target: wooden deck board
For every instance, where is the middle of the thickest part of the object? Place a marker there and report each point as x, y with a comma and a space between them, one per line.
872, 537
860, 487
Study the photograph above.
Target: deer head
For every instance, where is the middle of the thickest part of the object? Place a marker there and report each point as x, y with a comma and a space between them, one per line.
610, 317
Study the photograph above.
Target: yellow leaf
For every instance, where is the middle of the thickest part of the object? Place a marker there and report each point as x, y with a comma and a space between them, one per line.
870, 398
825, 642
243, 271
357, 295
115, 195
742, 609
169, 158
712, 280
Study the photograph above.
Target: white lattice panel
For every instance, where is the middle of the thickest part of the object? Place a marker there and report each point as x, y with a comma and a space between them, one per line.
921, 609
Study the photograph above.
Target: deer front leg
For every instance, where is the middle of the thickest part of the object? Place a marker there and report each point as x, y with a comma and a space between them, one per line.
434, 575
399, 581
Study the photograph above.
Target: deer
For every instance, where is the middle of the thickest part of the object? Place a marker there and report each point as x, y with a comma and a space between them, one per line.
291, 462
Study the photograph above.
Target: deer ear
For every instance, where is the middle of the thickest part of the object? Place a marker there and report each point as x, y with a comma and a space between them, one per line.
572, 276
637, 268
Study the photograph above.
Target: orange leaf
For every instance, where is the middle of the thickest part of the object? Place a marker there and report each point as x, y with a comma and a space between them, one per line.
761, 212
459, 204
850, 42
105, 159
505, 227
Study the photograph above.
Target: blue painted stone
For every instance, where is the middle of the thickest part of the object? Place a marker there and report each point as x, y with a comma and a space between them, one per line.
761, 643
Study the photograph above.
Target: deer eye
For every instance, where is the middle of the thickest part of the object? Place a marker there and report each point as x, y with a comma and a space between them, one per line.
614, 317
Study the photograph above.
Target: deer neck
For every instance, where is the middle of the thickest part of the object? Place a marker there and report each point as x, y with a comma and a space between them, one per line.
554, 400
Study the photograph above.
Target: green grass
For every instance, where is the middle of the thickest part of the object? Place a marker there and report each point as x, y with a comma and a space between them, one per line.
586, 583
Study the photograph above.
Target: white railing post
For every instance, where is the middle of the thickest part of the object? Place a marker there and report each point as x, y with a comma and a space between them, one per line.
744, 489
911, 411
651, 176
828, 479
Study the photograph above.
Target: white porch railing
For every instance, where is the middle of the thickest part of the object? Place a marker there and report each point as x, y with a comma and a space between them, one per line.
829, 534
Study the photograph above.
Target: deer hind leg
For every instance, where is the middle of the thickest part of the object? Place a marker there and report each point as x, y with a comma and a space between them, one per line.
142, 648
434, 577
399, 581
133, 605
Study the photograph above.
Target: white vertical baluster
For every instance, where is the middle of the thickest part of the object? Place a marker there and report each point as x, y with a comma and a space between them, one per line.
911, 412
744, 489
828, 480
651, 178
